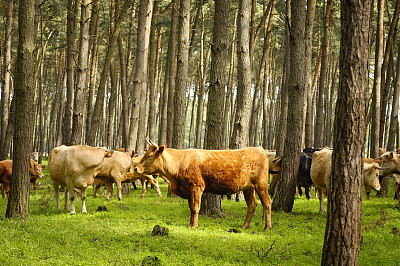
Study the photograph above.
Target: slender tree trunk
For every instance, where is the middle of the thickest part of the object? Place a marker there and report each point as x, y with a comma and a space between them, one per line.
82, 70
286, 186
343, 227
211, 203
394, 120
6, 78
240, 134
319, 117
71, 31
18, 203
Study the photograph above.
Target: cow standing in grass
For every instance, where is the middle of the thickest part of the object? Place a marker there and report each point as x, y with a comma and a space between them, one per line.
193, 172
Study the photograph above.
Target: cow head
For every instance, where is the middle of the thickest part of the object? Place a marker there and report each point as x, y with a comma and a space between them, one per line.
276, 166
371, 175
151, 160
390, 164
36, 169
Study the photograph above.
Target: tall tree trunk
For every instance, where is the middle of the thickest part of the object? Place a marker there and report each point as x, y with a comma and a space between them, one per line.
343, 226
394, 120
6, 78
172, 67
376, 89
18, 203
311, 4
82, 70
111, 107
286, 186
72, 11
211, 203
240, 134
178, 132
283, 92
140, 76
98, 108
319, 116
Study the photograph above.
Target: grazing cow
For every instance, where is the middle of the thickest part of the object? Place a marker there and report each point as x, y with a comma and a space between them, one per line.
114, 170
193, 172
303, 177
321, 172
35, 172
75, 167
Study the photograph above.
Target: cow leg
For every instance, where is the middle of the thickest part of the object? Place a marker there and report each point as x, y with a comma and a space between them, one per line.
71, 195
321, 199
367, 192
251, 201
266, 203
307, 192
66, 198
119, 187
57, 196
144, 187
83, 198
194, 205
108, 189
35, 186
154, 182
3, 194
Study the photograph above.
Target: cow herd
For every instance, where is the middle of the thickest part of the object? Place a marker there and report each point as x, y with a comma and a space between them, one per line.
192, 172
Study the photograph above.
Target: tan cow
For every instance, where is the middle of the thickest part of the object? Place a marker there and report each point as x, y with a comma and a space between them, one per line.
114, 170
396, 182
193, 172
75, 167
390, 163
35, 172
321, 172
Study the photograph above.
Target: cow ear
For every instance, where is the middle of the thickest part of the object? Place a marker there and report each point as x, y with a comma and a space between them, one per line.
109, 153
132, 154
161, 149
391, 155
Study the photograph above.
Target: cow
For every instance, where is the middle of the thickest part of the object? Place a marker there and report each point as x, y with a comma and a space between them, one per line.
75, 167
321, 171
35, 172
303, 177
390, 163
193, 172
114, 170
396, 182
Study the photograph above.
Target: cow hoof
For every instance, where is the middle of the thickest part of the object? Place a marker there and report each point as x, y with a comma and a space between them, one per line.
72, 213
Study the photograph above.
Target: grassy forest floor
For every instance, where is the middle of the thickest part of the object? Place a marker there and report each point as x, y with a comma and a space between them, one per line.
122, 234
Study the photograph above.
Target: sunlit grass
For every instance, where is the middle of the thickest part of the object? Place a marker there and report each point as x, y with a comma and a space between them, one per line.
122, 234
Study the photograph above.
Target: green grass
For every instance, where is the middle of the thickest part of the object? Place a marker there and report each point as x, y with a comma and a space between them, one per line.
122, 235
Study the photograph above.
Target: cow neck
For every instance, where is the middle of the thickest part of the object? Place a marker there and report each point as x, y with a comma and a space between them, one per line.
170, 162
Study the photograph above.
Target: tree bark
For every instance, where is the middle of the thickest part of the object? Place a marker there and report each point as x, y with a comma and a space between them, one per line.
343, 227
18, 203
211, 203
240, 134
286, 186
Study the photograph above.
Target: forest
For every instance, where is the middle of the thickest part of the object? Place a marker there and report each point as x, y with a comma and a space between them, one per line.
284, 75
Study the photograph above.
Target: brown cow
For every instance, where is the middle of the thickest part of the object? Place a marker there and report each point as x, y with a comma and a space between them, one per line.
35, 172
321, 172
114, 170
193, 172
75, 167
396, 182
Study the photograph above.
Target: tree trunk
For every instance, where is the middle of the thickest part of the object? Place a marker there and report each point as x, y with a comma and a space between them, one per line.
5, 92
178, 132
311, 4
82, 70
319, 116
71, 31
140, 76
98, 108
286, 186
18, 203
240, 134
343, 227
211, 203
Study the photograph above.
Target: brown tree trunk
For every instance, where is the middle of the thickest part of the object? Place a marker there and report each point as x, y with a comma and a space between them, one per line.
319, 116
343, 227
286, 186
71, 31
240, 133
82, 70
394, 120
211, 203
6, 78
18, 203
